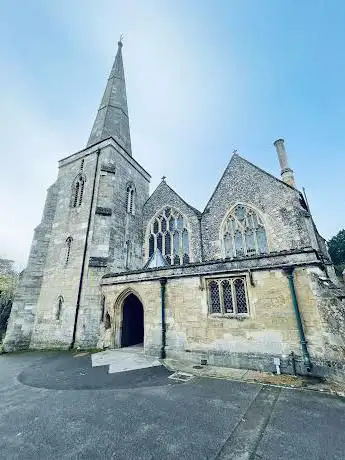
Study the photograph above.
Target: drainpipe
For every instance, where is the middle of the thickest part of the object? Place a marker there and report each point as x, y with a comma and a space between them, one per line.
201, 240
306, 357
163, 282
84, 255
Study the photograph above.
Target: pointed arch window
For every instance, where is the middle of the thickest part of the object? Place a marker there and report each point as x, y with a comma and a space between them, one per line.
68, 249
244, 233
60, 302
78, 191
130, 199
169, 233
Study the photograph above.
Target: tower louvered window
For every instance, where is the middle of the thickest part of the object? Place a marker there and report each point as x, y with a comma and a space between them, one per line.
169, 234
78, 191
244, 233
228, 296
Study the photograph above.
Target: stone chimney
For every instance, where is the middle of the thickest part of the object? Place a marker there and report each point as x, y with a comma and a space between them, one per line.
286, 171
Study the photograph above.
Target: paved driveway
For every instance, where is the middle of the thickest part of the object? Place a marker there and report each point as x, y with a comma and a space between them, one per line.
55, 406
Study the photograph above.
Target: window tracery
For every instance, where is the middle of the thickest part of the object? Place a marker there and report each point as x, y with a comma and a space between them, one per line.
169, 233
244, 233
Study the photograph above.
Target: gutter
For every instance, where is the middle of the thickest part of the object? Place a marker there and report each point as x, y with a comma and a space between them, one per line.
163, 282
306, 357
84, 255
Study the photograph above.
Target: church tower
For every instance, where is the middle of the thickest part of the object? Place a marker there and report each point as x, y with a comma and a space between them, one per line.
91, 225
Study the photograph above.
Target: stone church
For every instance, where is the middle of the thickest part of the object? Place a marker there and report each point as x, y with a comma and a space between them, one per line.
243, 283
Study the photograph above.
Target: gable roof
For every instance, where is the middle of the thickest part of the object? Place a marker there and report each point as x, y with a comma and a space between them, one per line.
165, 185
236, 156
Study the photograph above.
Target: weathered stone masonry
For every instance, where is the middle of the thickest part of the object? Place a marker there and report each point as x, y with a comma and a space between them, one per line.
230, 301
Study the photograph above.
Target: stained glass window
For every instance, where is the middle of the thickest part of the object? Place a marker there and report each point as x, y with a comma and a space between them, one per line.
169, 234
228, 296
244, 233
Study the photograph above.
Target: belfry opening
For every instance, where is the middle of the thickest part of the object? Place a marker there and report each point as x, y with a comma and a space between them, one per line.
132, 322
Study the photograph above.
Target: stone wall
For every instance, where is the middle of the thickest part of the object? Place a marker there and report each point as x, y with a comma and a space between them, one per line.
278, 204
110, 230
251, 342
21, 321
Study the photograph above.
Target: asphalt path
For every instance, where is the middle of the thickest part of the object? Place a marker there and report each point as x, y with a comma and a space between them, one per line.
53, 405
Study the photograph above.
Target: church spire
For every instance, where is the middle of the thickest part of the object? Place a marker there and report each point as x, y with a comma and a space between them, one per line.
112, 116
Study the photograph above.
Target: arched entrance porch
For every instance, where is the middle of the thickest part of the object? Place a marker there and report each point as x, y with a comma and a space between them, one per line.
132, 331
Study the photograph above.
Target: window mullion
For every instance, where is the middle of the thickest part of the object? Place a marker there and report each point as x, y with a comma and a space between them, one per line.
221, 297
233, 293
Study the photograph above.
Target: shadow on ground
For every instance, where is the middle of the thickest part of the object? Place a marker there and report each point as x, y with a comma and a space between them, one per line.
67, 372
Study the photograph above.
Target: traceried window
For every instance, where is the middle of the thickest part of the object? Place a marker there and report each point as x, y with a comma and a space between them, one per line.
59, 307
169, 234
78, 191
130, 199
228, 296
244, 233
68, 249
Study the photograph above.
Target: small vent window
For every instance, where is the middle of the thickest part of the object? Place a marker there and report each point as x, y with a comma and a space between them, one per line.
59, 306
68, 249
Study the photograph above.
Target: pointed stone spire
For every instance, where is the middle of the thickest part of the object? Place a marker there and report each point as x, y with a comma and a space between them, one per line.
112, 116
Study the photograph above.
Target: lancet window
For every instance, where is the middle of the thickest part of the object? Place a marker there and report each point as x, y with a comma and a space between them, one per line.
244, 233
130, 199
59, 307
228, 296
68, 249
169, 233
78, 191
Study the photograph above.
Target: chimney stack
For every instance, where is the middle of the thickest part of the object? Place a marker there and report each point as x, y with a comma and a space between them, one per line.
286, 171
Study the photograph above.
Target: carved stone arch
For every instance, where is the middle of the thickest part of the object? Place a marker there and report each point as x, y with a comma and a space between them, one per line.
150, 223
255, 210
119, 319
123, 295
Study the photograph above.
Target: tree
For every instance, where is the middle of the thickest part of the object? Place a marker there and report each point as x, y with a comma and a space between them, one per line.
8, 283
336, 248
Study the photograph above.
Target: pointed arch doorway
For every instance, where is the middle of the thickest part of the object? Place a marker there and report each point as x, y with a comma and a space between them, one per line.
132, 332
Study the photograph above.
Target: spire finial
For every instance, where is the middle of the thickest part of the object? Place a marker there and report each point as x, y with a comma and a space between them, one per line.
235, 152
163, 178
120, 43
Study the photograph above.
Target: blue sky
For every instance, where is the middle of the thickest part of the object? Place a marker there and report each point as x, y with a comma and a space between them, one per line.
203, 78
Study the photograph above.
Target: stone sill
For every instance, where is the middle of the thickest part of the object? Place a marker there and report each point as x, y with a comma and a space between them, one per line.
238, 316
